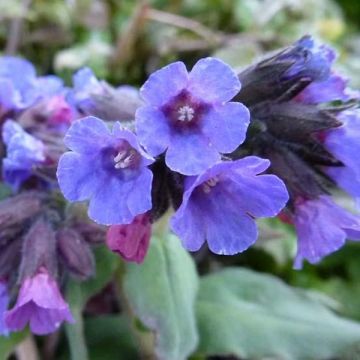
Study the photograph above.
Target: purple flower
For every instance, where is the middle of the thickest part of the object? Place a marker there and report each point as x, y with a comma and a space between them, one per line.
310, 59
189, 115
131, 241
331, 89
86, 85
23, 152
4, 302
40, 303
343, 142
322, 227
220, 205
108, 168
19, 86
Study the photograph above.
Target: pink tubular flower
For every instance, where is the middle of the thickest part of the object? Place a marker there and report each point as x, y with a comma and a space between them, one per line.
40, 303
130, 241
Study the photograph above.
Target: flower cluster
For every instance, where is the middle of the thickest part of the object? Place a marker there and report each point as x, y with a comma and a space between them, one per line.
188, 123
308, 127
214, 148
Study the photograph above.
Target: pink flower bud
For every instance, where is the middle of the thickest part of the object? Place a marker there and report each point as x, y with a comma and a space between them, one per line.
130, 241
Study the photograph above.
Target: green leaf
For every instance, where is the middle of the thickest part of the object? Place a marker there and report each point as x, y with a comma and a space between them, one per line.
253, 315
8, 344
106, 264
79, 293
5, 191
162, 292
108, 336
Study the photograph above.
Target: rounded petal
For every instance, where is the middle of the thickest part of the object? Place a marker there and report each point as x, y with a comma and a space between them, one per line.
108, 205
139, 200
259, 196
187, 223
343, 142
45, 321
165, 83
87, 135
213, 81
17, 318
77, 176
322, 228
190, 154
152, 129
226, 126
346, 178
231, 233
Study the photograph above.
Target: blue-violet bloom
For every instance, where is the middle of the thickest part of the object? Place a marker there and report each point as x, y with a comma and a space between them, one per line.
4, 302
322, 227
40, 304
20, 87
23, 152
107, 167
344, 143
220, 206
189, 115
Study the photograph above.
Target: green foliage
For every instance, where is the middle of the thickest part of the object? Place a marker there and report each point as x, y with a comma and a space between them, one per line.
7, 344
77, 296
162, 292
256, 316
108, 336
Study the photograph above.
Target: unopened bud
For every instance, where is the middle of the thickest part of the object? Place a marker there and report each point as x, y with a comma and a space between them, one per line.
131, 241
14, 211
92, 233
10, 257
38, 250
75, 253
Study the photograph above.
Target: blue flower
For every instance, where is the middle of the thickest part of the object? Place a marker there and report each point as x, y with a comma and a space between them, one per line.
344, 143
322, 227
4, 302
23, 152
108, 168
220, 206
86, 85
20, 87
189, 115
310, 59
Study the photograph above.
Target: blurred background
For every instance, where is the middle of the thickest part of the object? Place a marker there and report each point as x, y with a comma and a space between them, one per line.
123, 41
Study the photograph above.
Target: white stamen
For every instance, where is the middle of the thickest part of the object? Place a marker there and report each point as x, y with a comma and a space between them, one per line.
208, 184
186, 113
123, 159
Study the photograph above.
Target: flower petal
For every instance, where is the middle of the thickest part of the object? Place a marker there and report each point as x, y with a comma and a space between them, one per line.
78, 177
152, 129
108, 205
87, 135
187, 223
226, 126
190, 154
165, 83
228, 230
260, 196
322, 228
139, 200
211, 80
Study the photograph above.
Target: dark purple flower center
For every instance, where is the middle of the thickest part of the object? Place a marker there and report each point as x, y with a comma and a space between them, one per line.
121, 158
184, 111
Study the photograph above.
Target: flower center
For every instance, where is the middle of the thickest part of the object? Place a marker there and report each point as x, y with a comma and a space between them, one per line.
125, 158
209, 184
186, 113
